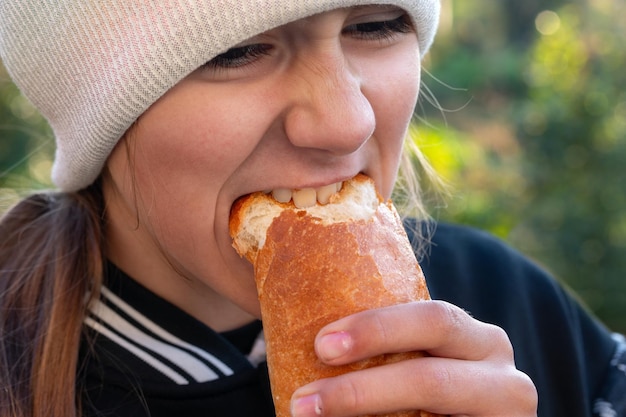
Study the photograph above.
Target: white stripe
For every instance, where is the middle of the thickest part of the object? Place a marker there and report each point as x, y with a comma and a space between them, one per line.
198, 370
164, 334
161, 367
259, 351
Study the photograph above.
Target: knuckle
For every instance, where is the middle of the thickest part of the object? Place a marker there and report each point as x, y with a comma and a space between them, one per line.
349, 394
447, 318
518, 392
526, 392
381, 326
500, 342
431, 380
440, 381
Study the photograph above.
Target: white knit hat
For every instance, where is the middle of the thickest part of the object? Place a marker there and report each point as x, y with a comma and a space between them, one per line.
92, 67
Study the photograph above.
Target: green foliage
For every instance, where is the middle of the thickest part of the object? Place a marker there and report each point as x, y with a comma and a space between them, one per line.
26, 145
475, 193
539, 142
573, 128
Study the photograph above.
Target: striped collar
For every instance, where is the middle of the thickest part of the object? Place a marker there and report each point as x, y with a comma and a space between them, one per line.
162, 341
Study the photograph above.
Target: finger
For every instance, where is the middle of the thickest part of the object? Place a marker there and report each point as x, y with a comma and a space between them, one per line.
442, 386
436, 327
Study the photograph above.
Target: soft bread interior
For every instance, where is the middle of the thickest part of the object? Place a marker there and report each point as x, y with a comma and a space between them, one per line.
252, 215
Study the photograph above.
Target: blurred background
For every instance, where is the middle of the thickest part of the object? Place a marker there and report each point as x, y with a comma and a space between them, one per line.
528, 128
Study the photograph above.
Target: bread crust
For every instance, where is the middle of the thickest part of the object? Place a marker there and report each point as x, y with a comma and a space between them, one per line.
310, 274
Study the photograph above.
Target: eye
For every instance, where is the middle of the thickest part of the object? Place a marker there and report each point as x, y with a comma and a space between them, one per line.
239, 56
380, 30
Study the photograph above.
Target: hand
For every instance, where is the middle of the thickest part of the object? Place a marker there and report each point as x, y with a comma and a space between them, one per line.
471, 370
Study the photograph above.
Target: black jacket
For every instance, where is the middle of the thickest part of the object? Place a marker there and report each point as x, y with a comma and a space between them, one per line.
150, 358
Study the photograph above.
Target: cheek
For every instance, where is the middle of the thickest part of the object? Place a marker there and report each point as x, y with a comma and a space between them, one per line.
392, 81
205, 149
394, 91
182, 163
398, 87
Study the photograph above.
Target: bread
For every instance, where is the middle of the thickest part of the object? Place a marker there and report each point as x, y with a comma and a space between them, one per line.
313, 266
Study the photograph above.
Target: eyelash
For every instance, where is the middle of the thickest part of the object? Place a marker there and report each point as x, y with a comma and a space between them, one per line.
240, 56
373, 31
382, 30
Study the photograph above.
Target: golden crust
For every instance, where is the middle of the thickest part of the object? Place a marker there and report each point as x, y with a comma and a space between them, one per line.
309, 275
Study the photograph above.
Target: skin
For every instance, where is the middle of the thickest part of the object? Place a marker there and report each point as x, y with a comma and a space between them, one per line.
325, 100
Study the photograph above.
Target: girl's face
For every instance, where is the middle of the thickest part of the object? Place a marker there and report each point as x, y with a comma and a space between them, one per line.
307, 104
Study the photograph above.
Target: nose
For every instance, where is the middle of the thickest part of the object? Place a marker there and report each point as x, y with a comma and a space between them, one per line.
328, 110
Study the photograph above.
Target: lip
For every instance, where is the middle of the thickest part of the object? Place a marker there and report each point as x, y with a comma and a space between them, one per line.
319, 184
300, 186
314, 184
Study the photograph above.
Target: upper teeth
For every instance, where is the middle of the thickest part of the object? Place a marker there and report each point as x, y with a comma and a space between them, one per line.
306, 197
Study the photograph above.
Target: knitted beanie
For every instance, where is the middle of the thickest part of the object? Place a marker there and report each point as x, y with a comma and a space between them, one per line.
92, 67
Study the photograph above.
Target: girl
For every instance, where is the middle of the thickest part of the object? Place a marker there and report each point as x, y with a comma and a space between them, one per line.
121, 294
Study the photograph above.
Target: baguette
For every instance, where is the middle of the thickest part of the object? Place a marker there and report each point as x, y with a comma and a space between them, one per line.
313, 266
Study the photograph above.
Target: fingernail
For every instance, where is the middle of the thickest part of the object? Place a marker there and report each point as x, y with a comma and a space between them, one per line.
308, 406
334, 345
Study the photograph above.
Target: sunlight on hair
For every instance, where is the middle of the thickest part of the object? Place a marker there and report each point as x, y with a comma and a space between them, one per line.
419, 187
8, 198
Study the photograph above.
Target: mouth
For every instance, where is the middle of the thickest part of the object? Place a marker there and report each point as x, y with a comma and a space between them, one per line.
357, 199
307, 197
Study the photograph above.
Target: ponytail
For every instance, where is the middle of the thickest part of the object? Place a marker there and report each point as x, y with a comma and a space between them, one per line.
50, 268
